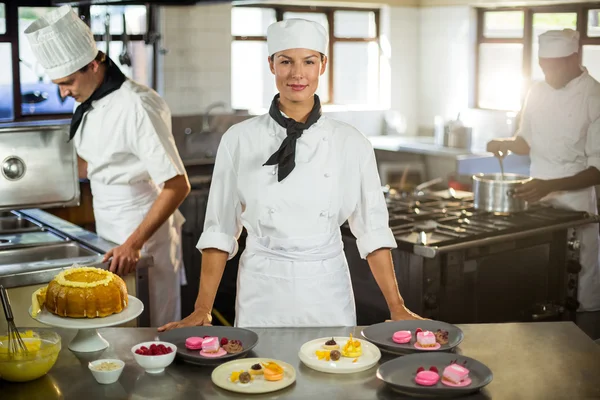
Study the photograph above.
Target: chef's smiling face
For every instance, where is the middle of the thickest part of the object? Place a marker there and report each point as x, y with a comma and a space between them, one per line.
297, 73
81, 84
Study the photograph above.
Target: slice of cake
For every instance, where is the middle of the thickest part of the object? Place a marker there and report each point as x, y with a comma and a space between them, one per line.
211, 345
426, 339
455, 374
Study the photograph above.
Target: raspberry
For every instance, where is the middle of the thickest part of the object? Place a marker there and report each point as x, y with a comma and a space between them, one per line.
418, 330
224, 341
420, 369
144, 348
434, 369
204, 337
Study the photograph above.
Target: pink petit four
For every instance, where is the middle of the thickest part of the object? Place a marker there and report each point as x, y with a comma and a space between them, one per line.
455, 375
426, 339
211, 344
194, 343
402, 337
427, 378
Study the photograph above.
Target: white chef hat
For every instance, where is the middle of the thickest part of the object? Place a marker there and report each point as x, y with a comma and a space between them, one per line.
296, 34
557, 44
61, 42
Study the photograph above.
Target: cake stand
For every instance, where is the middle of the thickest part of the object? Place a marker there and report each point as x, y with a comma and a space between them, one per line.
87, 338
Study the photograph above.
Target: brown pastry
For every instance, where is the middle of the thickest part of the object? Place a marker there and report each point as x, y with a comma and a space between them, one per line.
441, 336
233, 347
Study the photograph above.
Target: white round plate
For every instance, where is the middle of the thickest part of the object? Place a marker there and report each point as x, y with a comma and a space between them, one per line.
344, 365
220, 376
134, 308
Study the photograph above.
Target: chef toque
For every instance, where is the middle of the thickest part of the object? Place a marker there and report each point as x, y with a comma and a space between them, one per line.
296, 34
558, 44
61, 42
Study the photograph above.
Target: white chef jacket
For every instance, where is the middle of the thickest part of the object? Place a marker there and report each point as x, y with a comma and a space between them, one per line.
128, 145
294, 225
562, 129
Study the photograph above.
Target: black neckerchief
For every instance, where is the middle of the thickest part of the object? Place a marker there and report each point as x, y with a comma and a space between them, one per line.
113, 79
284, 158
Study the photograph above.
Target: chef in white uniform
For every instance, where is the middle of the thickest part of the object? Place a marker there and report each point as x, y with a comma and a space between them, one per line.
560, 130
291, 178
122, 133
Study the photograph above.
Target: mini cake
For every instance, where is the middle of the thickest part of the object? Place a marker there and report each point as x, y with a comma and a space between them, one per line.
352, 348
194, 343
455, 374
256, 369
82, 292
427, 378
242, 377
331, 345
402, 337
233, 346
211, 348
273, 371
426, 339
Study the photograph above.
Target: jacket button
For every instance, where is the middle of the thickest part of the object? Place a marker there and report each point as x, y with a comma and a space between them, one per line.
327, 174
325, 139
271, 211
274, 172
323, 213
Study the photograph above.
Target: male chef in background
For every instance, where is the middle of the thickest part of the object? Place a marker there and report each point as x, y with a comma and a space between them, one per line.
560, 130
122, 133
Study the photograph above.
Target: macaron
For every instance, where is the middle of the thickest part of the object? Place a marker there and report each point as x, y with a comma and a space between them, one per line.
402, 337
194, 343
427, 378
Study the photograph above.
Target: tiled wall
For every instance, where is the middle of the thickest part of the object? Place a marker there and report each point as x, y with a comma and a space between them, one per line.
196, 66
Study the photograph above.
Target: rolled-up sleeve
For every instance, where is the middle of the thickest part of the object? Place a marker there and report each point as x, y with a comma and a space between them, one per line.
370, 221
222, 225
592, 145
153, 142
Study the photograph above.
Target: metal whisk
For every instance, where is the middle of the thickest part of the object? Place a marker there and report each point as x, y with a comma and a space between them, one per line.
15, 342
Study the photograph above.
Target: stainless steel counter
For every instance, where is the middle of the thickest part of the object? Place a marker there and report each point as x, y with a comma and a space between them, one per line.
552, 360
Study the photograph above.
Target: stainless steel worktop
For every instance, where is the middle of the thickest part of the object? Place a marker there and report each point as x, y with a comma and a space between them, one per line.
552, 360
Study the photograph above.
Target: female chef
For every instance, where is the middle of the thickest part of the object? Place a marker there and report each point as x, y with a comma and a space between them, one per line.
291, 178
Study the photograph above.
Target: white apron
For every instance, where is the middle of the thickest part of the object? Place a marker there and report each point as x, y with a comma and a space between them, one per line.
119, 210
301, 282
588, 290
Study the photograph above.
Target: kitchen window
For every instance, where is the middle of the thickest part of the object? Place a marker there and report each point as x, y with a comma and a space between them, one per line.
26, 92
507, 49
353, 54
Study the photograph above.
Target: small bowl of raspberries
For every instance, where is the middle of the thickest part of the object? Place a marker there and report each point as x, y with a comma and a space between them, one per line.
155, 356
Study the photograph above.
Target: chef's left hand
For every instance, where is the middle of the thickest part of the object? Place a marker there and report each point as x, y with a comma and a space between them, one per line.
533, 190
124, 259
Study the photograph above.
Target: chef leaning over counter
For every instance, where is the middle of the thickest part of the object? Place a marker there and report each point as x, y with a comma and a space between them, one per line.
291, 178
122, 133
560, 130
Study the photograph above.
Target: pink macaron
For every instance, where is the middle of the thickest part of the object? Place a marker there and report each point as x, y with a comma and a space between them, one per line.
402, 337
194, 343
427, 378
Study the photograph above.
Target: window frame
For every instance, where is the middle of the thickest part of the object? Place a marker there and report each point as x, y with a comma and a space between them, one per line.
581, 10
329, 13
12, 36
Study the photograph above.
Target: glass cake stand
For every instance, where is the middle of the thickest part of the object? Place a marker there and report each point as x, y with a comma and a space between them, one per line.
87, 338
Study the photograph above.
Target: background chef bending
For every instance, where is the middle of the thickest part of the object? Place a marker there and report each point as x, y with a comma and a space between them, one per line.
291, 178
560, 130
122, 133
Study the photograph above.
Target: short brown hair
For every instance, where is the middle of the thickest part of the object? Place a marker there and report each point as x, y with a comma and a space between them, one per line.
100, 57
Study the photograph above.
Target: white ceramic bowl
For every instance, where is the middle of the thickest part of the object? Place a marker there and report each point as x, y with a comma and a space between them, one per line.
106, 377
154, 364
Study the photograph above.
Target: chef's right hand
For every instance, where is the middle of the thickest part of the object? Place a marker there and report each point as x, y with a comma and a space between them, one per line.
500, 148
197, 318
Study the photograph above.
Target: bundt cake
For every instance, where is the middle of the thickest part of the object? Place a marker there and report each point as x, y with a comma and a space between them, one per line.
82, 292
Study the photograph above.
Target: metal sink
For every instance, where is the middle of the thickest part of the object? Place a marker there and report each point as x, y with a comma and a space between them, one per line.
47, 253
16, 224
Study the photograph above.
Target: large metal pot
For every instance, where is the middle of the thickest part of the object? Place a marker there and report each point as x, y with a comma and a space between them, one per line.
491, 193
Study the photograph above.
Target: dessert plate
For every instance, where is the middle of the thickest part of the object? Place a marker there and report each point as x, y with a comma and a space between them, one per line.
381, 335
369, 358
178, 336
221, 376
399, 374
87, 338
